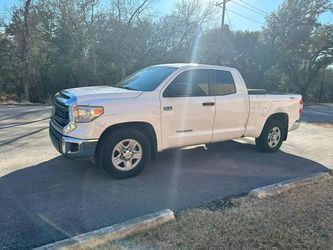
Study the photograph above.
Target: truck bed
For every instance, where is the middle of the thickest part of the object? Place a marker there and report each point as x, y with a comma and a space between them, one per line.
265, 92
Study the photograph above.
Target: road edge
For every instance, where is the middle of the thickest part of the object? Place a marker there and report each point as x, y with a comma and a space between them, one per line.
114, 232
277, 188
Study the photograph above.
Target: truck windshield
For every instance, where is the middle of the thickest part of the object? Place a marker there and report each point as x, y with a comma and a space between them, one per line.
146, 79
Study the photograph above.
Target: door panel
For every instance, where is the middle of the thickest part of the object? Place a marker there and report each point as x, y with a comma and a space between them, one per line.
230, 118
187, 110
186, 121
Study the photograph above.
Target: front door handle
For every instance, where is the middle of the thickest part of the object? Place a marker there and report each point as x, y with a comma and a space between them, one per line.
205, 104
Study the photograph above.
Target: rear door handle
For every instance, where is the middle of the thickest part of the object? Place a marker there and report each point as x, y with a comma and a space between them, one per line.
205, 104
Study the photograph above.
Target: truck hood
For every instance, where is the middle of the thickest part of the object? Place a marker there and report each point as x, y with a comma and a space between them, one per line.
87, 95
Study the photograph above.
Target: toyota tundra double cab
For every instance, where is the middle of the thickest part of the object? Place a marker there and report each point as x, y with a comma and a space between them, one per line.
167, 106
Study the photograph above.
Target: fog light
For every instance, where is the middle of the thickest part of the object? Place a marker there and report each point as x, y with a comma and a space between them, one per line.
70, 127
73, 147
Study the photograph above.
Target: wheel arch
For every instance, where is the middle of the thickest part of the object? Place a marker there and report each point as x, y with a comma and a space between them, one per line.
145, 127
283, 118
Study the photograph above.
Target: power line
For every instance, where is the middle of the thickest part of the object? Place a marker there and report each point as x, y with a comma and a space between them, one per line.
254, 7
245, 17
258, 12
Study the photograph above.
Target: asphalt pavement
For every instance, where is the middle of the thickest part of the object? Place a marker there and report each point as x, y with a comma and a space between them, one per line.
45, 197
322, 113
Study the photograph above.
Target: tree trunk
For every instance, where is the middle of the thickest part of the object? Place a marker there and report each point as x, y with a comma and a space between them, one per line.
123, 71
25, 52
93, 40
321, 87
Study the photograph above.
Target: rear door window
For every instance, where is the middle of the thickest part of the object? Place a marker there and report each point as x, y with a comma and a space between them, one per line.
224, 82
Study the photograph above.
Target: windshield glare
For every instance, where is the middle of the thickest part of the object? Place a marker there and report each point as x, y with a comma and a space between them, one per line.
147, 79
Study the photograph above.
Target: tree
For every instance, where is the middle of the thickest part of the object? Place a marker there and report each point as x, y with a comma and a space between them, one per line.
56, 44
9, 79
302, 46
128, 17
181, 32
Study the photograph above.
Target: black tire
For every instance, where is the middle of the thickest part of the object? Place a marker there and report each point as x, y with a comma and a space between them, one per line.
263, 142
108, 143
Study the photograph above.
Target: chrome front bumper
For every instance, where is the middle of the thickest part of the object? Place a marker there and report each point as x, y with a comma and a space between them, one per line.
295, 126
72, 148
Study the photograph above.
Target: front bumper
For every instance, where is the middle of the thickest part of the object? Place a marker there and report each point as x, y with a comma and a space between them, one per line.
295, 126
72, 148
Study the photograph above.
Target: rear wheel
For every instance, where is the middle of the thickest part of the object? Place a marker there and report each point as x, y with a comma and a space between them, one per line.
271, 137
123, 153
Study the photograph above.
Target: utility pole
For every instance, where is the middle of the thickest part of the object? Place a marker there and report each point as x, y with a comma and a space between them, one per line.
222, 5
223, 13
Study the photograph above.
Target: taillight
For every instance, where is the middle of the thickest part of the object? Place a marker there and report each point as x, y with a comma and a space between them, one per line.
301, 105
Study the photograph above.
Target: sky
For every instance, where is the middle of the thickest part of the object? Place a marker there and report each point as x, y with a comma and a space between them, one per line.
241, 14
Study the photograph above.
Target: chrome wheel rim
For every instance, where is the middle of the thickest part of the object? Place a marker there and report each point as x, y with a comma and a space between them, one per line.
274, 137
127, 155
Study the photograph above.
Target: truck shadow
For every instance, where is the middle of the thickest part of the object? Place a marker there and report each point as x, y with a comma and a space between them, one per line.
60, 198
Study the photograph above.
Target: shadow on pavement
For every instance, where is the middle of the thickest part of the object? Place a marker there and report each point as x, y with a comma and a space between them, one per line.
22, 136
21, 114
17, 124
60, 198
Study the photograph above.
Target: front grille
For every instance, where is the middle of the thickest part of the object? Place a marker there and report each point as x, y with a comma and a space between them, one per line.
55, 138
60, 113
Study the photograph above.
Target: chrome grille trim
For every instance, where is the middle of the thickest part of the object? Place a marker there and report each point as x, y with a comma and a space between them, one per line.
62, 115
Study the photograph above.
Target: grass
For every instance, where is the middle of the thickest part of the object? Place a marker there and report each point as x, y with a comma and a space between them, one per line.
300, 219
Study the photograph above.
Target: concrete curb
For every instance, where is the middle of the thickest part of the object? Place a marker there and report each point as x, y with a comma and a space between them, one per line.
103, 235
284, 186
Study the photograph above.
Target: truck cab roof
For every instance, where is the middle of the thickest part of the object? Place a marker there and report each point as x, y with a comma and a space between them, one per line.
193, 65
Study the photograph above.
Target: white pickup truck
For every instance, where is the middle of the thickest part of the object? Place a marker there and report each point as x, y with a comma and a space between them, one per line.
167, 106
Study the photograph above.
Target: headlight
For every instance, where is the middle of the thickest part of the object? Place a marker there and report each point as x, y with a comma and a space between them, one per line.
87, 113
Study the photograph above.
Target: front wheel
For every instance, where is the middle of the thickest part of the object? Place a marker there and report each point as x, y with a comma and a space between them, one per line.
270, 139
123, 153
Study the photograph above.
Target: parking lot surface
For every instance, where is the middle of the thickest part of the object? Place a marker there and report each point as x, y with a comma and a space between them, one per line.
45, 197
